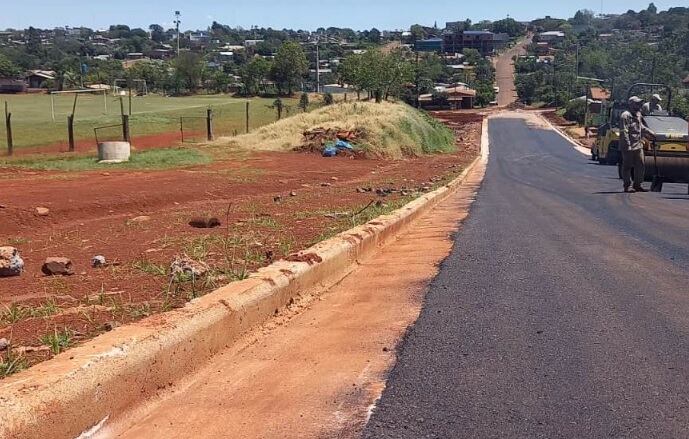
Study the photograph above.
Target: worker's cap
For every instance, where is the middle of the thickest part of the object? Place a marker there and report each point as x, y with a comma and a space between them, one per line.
635, 100
656, 97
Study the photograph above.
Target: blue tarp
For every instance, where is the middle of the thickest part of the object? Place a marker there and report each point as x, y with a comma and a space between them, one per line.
331, 149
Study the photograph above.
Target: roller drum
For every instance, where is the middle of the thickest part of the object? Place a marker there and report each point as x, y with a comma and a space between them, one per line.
672, 168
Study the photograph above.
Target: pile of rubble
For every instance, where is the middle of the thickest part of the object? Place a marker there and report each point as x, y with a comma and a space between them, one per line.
316, 139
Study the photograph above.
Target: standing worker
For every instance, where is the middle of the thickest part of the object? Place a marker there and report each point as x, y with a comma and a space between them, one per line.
631, 133
653, 106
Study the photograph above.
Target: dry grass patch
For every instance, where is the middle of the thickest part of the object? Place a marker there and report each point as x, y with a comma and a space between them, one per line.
392, 130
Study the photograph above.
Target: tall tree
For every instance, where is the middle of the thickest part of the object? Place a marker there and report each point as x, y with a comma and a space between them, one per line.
253, 73
7, 68
157, 33
189, 67
374, 36
290, 66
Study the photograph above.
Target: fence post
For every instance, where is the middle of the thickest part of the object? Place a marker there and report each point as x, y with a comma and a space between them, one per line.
70, 132
125, 128
209, 124
247, 117
8, 125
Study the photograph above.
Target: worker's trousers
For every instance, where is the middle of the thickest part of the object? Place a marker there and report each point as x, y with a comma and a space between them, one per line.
633, 159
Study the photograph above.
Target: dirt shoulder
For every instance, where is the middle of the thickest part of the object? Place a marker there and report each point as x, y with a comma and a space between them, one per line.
270, 206
316, 369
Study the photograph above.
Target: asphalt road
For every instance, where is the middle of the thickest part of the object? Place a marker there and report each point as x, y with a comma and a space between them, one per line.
562, 312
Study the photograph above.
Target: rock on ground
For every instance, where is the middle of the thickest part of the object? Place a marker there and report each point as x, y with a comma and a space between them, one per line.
185, 266
98, 261
58, 267
42, 211
11, 264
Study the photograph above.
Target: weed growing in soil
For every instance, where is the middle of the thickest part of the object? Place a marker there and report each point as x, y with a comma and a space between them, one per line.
265, 221
376, 210
13, 313
286, 244
149, 267
47, 309
137, 312
11, 364
57, 341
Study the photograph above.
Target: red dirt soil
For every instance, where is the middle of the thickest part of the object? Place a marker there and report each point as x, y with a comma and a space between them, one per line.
92, 213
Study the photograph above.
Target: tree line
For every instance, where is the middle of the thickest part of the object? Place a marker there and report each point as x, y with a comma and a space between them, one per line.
646, 46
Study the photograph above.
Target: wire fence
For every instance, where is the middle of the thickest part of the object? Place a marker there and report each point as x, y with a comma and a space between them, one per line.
194, 129
153, 121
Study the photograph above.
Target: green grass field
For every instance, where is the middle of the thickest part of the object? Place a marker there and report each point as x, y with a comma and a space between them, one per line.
33, 126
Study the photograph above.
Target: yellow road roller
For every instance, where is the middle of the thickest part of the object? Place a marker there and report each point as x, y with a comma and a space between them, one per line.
667, 154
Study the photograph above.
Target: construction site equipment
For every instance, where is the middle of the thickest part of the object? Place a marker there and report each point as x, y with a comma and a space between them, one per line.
668, 150
667, 154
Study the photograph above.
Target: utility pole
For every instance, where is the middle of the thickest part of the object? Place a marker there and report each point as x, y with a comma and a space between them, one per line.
177, 22
318, 68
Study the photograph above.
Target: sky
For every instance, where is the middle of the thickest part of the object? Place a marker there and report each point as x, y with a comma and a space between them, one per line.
296, 14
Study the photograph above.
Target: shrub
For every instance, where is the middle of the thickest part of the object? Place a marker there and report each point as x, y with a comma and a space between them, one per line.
575, 110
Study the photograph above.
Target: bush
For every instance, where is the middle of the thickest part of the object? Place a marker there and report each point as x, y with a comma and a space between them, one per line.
328, 99
575, 111
304, 102
680, 106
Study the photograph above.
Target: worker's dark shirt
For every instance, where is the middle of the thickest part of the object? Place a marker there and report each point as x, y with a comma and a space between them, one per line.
631, 131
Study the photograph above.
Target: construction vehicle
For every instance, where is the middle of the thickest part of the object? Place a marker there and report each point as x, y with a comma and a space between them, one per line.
667, 154
606, 149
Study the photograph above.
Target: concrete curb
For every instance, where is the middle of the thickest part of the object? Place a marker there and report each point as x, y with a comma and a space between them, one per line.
577, 146
81, 388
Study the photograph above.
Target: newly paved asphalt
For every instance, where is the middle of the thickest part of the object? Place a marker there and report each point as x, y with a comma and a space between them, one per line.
563, 311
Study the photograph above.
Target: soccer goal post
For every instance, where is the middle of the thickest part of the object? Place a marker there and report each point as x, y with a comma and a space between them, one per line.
55, 109
123, 87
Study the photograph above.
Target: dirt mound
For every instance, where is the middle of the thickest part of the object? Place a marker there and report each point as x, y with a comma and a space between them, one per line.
393, 130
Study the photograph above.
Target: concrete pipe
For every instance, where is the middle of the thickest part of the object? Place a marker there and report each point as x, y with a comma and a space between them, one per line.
114, 152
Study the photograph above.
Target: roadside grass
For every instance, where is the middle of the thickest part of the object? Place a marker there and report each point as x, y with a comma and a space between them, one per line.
149, 267
57, 341
12, 363
15, 312
140, 311
148, 159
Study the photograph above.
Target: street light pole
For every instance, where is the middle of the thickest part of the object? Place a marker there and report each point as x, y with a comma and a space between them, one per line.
177, 23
